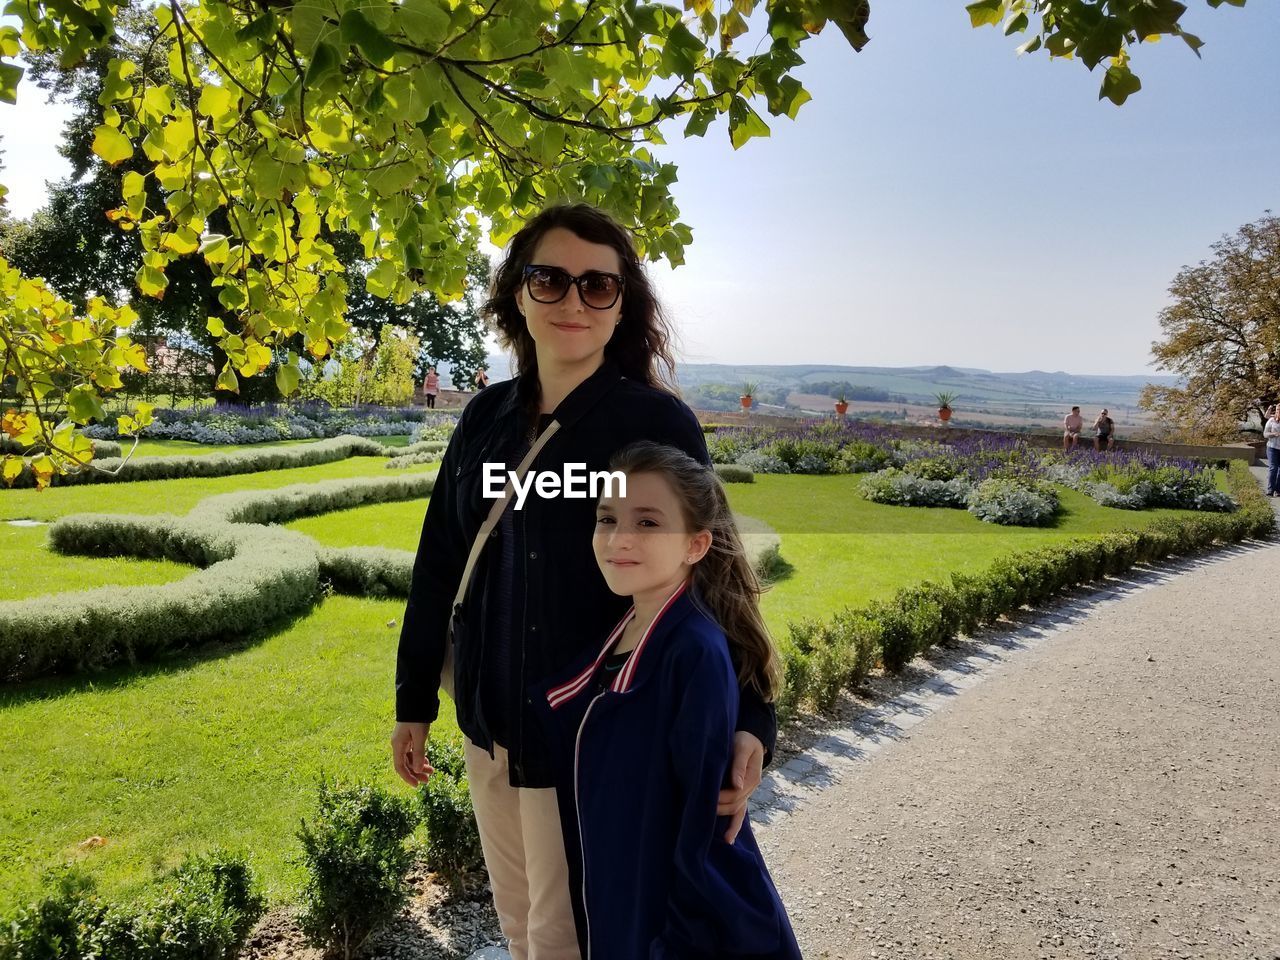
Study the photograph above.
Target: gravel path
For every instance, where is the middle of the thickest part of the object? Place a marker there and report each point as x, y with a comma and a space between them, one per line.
1111, 792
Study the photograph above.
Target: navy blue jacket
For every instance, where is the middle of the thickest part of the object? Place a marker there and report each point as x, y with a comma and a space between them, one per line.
641, 765
560, 604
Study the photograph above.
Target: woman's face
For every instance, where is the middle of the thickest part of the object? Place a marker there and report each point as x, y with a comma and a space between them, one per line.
568, 332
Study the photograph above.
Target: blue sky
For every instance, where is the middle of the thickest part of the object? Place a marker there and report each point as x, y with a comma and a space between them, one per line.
942, 200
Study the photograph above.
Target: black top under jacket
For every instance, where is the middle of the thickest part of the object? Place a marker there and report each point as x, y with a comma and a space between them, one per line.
560, 604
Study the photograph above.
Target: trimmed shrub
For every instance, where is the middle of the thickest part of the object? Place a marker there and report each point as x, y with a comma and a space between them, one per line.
734, 473
1018, 503
368, 571
757, 461
399, 463
357, 864
859, 456
308, 499
252, 577
453, 840
797, 674
215, 464
898, 488
204, 910
933, 468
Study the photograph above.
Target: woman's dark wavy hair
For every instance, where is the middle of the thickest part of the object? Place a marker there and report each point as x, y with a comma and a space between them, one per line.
727, 586
641, 344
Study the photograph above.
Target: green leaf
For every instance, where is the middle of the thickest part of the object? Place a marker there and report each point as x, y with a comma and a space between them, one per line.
216, 101
425, 21
744, 123
1118, 84
227, 379
83, 404
111, 145
10, 77
788, 98
373, 43
699, 120
986, 12
324, 61
681, 53
382, 279
216, 327
1016, 24
286, 379
151, 282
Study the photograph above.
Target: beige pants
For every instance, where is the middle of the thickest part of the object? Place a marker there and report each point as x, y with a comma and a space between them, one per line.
524, 851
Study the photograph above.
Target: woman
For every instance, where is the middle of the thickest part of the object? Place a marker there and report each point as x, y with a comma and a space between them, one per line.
431, 387
592, 351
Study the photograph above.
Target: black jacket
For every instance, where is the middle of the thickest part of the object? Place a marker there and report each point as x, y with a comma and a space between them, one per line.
562, 605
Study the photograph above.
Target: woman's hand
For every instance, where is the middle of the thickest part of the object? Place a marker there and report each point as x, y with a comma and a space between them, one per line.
409, 753
748, 769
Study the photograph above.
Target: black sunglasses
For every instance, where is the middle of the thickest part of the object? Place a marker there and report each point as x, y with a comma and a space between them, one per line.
596, 289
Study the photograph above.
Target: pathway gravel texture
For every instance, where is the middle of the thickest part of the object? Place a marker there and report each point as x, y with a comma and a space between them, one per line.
1111, 792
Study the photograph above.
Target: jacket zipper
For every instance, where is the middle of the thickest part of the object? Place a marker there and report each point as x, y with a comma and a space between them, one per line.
577, 808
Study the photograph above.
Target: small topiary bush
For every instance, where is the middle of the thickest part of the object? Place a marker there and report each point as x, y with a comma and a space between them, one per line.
899, 488
933, 468
734, 473
1020, 503
453, 840
204, 909
357, 863
757, 461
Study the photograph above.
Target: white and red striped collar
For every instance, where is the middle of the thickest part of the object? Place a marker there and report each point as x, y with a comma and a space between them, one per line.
557, 696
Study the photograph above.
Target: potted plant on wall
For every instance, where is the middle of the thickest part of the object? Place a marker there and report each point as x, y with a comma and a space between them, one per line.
945, 400
748, 391
842, 404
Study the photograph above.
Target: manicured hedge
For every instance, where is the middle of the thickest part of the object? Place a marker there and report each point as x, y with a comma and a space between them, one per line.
252, 577
824, 657
308, 499
215, 464
734, 473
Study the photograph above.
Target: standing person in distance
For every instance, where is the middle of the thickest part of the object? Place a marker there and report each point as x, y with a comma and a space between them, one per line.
592, 354
431, 387
1271, 431
645, 726
480, 380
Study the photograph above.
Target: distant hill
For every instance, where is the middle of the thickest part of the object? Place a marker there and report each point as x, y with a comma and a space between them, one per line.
918, 384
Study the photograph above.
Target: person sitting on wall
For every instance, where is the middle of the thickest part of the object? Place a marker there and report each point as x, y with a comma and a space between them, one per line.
1072, 424
1103, 430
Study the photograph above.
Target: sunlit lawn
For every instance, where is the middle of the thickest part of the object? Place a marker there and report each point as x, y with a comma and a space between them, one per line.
224, 746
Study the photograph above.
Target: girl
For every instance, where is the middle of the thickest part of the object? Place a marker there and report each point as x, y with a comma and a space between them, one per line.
517, 595
646, 727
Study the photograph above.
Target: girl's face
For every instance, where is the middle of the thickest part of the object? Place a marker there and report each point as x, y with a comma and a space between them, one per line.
640, 541
569, 332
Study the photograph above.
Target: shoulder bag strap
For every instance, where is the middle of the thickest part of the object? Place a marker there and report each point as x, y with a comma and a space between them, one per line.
495, 512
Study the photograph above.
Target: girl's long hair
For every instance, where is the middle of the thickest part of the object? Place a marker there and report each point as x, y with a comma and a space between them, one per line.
641, 344
724, 578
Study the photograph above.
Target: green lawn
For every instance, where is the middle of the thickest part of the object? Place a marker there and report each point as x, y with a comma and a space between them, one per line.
224, 746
